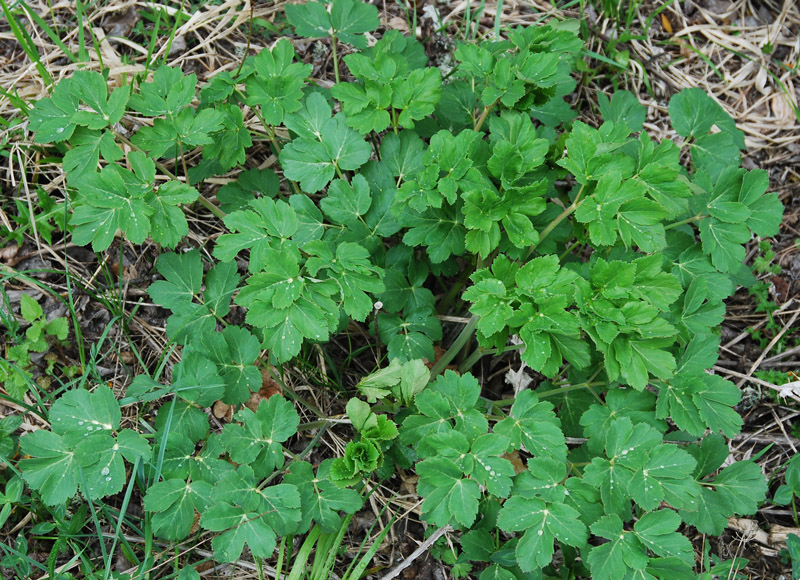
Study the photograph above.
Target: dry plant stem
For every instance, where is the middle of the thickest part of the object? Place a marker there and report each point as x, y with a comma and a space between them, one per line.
772, 343
756, 381
423, 547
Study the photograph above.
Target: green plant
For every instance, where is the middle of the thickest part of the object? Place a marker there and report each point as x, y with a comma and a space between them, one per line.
788, 492
590, 251
16, 367
763, 263
792, 554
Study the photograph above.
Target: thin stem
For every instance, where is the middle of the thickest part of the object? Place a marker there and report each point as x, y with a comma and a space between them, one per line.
163, 169
568, 211
586, 385
448, 299
335, 59
244, 56
684, 222
480, 352
339, 171
183, 163
568, 251
458, 344
271, 135
484, 114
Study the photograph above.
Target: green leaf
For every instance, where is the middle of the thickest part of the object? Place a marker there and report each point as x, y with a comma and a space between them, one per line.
180, 292
627, 448
449, 402
623, 107
238, 527
311, 19
412, 336
288, 316
260, 437
109, 204
312, 163
196, 379
234, 351
246, 514
440, 231
712, 153
52, 117
417, 95
175, 135
168, 93
79, 412
377, 385
346, 19
237, 194
448, 497
543, 523
659, 169
168, 223
699, 401
30, 309
87, 146
91, 87
533, 426
347, 202
742, 486
638, 406
656, 531
8, 425
230, 144
102, 468
181, 417
402, 154
175, 503
262, 228
53, 467
665, 477
276, 87
80, 449
593, 153
321, 500
693, 113
496, 572
613, 559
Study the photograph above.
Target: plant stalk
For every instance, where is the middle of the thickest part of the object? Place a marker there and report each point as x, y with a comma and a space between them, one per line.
458, 344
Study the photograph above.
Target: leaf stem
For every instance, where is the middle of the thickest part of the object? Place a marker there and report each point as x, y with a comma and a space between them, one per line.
480, 352
568, 211
458, 344
335, 58
568, 251
247, 49
698, 217
271, 135
479, 123
567, 389
163, 169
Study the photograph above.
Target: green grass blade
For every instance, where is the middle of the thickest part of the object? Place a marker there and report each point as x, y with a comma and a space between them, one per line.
359, 568
51, 34
26, 42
